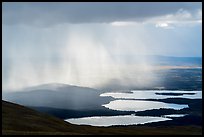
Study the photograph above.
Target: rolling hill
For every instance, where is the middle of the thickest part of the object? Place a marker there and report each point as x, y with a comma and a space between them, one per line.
55, 95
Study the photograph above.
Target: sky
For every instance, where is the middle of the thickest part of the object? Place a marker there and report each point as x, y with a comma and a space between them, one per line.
89, 44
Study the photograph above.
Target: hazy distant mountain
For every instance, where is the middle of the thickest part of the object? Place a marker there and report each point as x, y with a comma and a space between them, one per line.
57, 96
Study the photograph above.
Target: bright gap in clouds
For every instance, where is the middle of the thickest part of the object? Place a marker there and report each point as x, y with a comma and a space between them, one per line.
123, 23
162, 25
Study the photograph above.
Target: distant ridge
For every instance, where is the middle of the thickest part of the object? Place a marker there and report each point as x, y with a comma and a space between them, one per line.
52, 86
57, 96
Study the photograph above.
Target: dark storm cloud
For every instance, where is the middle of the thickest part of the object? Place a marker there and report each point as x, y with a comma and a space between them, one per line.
57, 13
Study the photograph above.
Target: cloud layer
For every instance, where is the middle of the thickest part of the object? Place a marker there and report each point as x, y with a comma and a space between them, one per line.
101, 12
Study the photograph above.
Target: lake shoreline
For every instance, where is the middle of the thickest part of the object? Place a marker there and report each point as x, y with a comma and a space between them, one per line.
194, 113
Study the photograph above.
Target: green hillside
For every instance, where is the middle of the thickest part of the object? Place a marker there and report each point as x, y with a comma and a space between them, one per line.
17, 119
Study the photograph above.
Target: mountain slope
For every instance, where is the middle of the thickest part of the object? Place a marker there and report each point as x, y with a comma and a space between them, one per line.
18, 119
57, 96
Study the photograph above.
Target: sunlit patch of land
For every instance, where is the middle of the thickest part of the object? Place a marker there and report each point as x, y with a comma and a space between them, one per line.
176, 67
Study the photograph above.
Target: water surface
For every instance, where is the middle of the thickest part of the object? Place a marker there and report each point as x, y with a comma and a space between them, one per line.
122, 104
174, 115
151, 94
140, 105
115, 120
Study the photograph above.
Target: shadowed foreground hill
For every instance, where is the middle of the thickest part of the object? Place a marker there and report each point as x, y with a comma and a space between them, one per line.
20, 120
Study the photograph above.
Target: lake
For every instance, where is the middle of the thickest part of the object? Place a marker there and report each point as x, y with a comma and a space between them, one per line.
139, 105
151, 94
115, 120
127, 101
